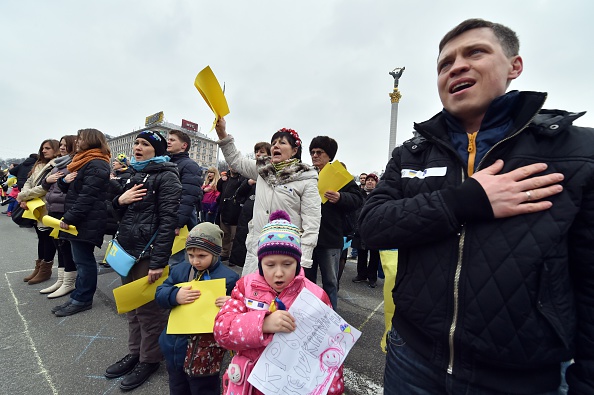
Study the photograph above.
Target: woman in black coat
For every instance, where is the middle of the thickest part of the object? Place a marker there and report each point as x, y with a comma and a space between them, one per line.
85, 208
148, 207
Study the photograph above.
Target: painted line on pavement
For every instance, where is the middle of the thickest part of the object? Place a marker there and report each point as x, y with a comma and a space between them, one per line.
371, 315
360, 384
43, 371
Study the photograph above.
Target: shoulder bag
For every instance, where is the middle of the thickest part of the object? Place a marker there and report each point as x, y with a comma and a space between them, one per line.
119, 259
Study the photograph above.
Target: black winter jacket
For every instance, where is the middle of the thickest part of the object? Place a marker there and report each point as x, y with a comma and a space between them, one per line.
333, 216
190, 175
517, 293
229, 208
156, 211
116, 188
85, 202
21, 171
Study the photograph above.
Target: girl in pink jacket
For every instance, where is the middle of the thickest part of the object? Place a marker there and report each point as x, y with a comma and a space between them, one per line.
259, 303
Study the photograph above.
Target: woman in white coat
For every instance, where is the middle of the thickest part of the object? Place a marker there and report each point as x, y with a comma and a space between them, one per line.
283, 182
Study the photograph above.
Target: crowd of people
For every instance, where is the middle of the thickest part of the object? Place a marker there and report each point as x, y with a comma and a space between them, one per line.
143, 201
489, 206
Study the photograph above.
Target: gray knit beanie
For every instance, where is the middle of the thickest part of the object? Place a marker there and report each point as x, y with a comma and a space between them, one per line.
206, 236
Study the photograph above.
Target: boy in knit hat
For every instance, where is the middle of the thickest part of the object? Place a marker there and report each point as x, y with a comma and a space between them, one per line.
194, 361
259, 303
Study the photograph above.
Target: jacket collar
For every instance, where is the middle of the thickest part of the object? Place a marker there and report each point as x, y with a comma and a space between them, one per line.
526, 107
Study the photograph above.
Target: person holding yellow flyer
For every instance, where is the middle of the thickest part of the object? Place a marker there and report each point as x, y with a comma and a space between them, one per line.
194, 360
284, 182
46, 250
148, 211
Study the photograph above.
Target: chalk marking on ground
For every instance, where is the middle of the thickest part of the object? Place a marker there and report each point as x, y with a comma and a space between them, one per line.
371, 315
360, 384
93, 338
43, 371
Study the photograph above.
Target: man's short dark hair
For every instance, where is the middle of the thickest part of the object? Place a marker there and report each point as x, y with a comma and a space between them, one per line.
260, 145
328, 144
183, 136
507, 37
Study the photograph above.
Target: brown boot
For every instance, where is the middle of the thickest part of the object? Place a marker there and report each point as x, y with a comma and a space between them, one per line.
35, 271
45, 273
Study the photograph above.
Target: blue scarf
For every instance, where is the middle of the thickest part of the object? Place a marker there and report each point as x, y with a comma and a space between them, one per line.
139, 166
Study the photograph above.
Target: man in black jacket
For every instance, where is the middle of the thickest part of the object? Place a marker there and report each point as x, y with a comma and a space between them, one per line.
229, 208
21, 171
491, 206
326, 255
190, 175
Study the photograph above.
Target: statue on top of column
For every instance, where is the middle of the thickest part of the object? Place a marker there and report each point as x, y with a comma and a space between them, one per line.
396, 73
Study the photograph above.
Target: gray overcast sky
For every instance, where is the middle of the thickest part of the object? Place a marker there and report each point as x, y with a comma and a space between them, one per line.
319, 67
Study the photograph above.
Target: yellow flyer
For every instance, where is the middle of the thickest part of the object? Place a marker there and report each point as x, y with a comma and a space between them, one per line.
55, 224
332, 177
179, 243
198, 316
389, 259
137, 293
210, 89
35, 209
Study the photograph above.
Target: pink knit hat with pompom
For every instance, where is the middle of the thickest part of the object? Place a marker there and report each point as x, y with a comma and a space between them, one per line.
279, 237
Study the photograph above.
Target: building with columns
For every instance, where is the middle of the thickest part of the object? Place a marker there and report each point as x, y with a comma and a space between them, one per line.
203, 150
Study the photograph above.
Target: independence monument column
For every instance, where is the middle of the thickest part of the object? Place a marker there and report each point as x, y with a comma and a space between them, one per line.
395, 99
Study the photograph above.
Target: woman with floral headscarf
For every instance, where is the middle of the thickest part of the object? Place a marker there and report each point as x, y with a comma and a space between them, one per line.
283, 182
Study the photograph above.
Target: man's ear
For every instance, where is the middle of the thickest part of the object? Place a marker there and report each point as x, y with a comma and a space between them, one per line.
517, 66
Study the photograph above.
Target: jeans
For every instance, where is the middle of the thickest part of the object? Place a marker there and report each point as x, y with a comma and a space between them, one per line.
327, 259
208, 217
86, 267
182, 384
408, 373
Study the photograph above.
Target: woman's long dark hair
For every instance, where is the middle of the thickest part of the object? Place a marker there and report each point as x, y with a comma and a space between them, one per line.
70, 141
55, 144
93, 138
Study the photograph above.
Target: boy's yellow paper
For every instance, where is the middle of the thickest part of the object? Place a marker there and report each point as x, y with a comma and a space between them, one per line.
389, 259
198, 316
210, 89
55, 223
332, 177
35, 209
179, 243
137, 293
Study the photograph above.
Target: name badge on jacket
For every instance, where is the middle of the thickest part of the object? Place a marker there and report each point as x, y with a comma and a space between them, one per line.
256, 305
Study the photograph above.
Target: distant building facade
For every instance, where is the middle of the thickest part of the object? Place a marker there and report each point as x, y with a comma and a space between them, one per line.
203, 150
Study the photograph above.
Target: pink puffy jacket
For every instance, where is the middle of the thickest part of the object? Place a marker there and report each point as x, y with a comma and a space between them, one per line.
239, 327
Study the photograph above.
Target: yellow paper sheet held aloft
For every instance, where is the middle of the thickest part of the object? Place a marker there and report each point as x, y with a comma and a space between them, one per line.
179, 243
210, 89
137, 293
332, 177
35, 209
198, 316
55, 223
